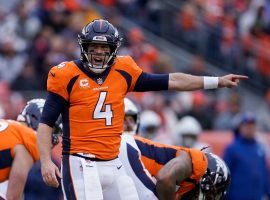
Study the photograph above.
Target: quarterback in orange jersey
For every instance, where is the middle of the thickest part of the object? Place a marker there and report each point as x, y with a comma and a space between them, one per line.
18, 149
169, 172
89, 93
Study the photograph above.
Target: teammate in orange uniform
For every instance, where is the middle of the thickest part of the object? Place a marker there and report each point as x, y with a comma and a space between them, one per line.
89, 93
18, 152
18, 148
145, 161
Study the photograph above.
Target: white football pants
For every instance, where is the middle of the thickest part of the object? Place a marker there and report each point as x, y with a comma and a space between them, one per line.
96, 180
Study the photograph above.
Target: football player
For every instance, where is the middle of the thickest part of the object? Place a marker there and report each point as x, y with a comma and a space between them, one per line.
18, 148
170, 172
89, 92
132, 117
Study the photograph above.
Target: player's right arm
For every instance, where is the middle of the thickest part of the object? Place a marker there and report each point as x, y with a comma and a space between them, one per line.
178, 81
51, 111
172, 165
53, 107
175, 171
49, 170
21, 165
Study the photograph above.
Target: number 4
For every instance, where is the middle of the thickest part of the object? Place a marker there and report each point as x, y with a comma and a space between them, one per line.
107, 114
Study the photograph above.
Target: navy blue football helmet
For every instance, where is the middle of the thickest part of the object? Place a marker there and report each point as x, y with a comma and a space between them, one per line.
214, 183
99, 31
31, 115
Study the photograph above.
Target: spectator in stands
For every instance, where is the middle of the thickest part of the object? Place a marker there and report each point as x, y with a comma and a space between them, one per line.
11, 62
246, 159
150, 124
11, 103
264, 114
227, 111
143, 52
200, 110
28, 79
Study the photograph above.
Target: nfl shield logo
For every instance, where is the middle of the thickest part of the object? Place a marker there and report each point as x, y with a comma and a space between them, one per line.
99, 81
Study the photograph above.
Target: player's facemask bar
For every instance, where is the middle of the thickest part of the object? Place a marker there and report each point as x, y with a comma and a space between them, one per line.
104, 59
197, 194
91, 58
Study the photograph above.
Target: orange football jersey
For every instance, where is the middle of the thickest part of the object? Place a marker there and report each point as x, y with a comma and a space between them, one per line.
13, 133
155, 155
94, 114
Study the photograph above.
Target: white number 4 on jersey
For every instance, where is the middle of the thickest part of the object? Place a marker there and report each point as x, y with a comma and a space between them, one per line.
107, 114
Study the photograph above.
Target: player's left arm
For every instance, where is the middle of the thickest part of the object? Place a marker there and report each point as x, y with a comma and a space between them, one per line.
174, 172
21, 165
184, 82
187, 82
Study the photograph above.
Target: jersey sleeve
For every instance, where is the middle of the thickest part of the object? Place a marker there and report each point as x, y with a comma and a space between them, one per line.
29, 140
155, 155
134, 70
56, 82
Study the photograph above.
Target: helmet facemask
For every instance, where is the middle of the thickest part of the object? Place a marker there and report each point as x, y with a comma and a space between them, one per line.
57, 131
212, 189
97, 62
214, 183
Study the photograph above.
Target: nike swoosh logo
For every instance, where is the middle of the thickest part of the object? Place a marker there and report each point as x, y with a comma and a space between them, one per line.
119, 167
53, 74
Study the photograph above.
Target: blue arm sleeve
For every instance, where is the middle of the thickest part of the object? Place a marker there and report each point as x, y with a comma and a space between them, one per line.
53, 107
152, 82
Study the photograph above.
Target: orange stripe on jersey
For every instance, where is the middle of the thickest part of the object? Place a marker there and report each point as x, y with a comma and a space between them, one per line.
4, 174
152, 166
93, 119
13, 133
5, 163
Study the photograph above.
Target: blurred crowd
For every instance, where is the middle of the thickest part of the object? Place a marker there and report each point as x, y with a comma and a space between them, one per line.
36, 35
234, 34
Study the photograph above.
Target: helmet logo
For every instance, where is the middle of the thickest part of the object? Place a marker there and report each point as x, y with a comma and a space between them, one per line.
84, 83
100, 38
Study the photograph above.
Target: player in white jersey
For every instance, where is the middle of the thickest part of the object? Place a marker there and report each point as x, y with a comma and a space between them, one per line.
3, 189
129, 155
129, 147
